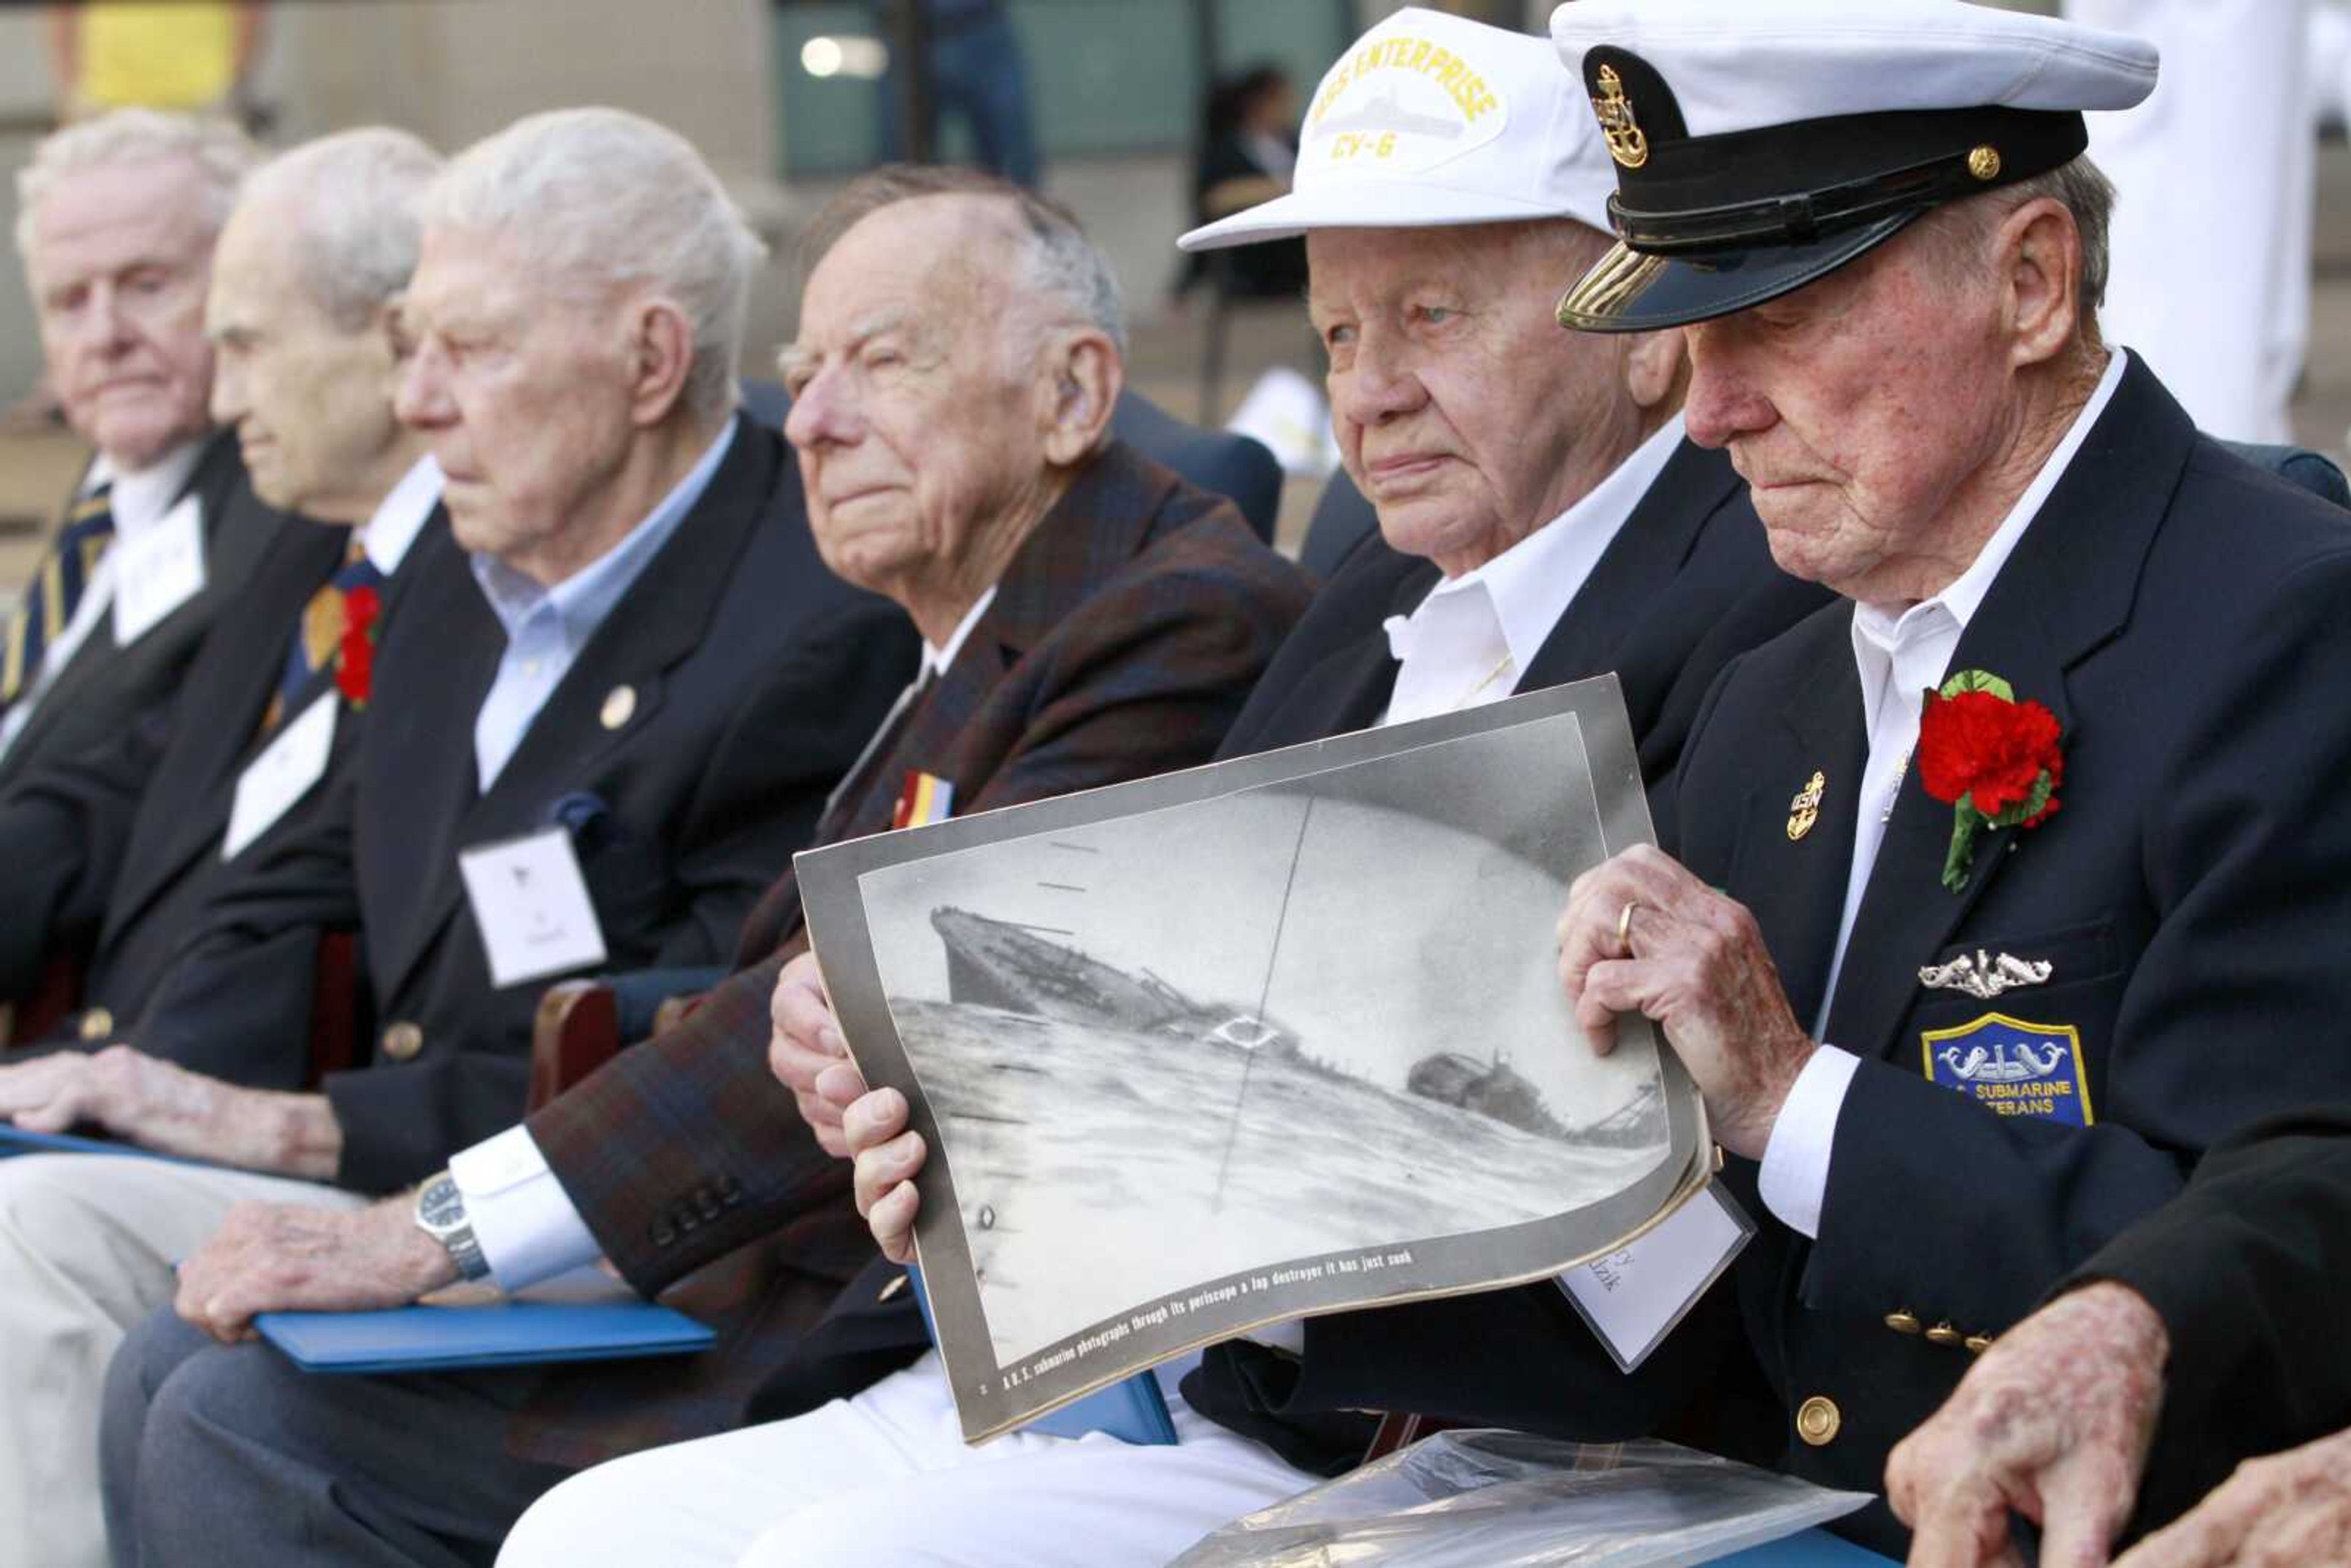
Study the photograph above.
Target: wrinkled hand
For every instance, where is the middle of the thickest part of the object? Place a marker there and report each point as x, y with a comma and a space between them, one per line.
275, 1256
1697, 966
807, 1039
2287, 1511
157, 1105
887, 1157
2053, 1422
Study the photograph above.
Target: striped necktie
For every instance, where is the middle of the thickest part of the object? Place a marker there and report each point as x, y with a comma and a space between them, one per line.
318, 635
56, 590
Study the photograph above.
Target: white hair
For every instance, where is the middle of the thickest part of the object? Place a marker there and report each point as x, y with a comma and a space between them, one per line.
356, 196
222, 154
600, 197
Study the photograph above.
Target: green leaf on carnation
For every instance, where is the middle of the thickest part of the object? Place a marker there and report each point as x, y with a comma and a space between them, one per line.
1978, 680
2031, 806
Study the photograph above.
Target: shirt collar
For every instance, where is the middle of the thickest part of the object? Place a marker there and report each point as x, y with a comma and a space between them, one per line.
1532, 583
140, 497
1881, 628
581, 601
399, 517
936, 660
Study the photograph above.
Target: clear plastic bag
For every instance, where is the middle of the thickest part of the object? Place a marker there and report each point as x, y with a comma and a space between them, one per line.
1491, 1499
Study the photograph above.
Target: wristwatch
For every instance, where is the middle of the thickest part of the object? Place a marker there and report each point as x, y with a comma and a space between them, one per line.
441, 1214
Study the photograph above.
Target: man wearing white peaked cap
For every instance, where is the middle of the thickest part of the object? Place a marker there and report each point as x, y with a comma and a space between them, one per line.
1999, 889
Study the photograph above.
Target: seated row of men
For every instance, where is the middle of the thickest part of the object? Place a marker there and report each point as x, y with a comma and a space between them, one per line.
524, 599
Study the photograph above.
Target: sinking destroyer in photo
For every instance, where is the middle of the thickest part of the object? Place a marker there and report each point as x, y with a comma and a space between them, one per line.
1014, 967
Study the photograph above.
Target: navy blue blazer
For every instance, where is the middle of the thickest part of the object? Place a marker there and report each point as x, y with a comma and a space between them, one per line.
2181, 613
121, 848
755, 675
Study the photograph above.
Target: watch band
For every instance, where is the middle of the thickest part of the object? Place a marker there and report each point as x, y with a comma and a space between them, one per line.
441, 1214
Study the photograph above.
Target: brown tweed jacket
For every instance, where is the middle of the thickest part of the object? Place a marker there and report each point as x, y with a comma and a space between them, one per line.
1122, 641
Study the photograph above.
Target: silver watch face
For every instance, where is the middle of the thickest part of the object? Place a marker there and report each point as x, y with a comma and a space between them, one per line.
441, 1205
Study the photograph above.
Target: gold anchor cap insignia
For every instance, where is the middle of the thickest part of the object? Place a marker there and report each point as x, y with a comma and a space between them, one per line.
1627, 142
619, 706
1805, 809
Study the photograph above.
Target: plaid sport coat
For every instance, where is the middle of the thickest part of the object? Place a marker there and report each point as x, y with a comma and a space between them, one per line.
1123, 638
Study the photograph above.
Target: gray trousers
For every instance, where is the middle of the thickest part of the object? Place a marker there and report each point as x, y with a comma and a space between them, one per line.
232, 1455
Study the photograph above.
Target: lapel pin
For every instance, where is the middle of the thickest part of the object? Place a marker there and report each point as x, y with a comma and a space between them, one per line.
1805, 809
1983, 977
619, 706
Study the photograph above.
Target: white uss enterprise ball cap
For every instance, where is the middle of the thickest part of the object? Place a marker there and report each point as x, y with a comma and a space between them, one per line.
1431, 121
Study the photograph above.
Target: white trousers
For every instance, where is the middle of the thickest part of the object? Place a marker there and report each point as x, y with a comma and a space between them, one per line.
885, 1478
88, 1247
2214, 182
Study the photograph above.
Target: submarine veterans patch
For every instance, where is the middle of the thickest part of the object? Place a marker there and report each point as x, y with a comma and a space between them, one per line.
2012, 1067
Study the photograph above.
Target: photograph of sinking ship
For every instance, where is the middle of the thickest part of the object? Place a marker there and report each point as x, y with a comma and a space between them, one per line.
1293, 1044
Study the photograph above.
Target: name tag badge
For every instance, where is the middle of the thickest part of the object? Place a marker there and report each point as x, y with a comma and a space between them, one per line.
1635, 1296
287, 768
532, 906
157, 571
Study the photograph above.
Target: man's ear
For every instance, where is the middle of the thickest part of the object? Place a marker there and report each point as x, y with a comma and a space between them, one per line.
1656, 370
1086, 375
661, 354
2038, 252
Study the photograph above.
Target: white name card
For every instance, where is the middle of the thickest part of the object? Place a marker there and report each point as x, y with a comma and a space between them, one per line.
532, 905
1635, 1296
157, 570
286, 769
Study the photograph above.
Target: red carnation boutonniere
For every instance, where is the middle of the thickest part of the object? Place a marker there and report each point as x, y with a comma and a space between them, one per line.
355, 659
1992, 758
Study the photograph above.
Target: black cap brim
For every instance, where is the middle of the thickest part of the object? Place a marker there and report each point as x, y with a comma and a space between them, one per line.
1628, 291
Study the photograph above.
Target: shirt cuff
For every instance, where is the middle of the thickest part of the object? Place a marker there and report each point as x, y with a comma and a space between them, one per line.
526, 1225
1795, 1181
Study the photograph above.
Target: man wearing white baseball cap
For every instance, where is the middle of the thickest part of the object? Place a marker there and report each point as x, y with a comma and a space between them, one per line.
1544, 519
2011, 886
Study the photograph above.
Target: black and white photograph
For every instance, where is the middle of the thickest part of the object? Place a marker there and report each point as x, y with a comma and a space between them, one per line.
1303, 1026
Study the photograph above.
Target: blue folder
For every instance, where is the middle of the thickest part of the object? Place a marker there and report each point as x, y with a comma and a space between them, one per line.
1133, 1409
502, 1333
15, 1140
1806, 1549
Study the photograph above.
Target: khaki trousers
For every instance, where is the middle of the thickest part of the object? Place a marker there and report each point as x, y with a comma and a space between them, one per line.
87, 1248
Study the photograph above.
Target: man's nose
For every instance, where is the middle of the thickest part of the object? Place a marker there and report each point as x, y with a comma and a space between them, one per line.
825, 413
104, 326
420, 398
1378, 383
1723, 404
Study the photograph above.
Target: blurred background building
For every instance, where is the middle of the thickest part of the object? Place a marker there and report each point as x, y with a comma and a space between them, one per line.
789, 97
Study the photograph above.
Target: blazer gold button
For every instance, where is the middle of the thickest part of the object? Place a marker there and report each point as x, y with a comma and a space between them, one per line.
1977, 1343
403, 1041
1903, 1321
1944, 1333
1817, 1420
97, 1024
619, 706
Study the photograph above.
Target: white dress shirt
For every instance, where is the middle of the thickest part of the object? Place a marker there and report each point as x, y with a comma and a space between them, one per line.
399, 517
1901, 652
528, 1226
1471, 641
139, 501
547, 627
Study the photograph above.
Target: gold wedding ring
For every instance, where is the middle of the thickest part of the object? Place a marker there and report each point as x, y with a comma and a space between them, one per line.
1624, 927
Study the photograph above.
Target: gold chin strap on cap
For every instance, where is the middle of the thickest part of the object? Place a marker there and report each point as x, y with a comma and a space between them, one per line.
1598, 298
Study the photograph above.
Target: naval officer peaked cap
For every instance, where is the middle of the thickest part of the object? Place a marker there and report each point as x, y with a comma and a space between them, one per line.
1760, 144
1431, 121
